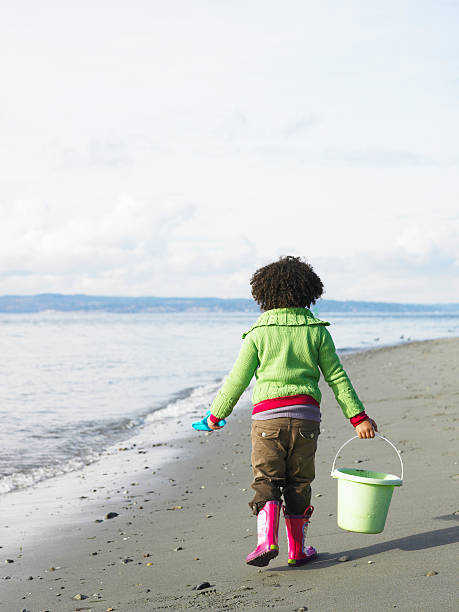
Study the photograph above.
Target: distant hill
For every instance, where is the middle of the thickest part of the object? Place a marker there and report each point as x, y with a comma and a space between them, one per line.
69, 303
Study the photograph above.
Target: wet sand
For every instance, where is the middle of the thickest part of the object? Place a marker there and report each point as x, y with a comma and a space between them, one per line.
188, 522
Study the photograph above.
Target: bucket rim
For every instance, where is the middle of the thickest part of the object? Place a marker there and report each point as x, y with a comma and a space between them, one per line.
394, 481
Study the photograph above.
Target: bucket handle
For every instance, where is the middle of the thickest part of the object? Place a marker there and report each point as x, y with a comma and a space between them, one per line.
379, 436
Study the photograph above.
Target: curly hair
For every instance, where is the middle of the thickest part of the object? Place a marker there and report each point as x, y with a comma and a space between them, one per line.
287, 283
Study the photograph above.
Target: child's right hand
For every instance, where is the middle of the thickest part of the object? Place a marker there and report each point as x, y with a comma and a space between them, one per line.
366, 429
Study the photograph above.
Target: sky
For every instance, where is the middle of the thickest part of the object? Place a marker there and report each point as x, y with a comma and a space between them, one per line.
172, 148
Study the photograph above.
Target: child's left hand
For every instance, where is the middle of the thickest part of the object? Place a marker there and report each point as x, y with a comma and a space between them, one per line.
212, 425
366, 429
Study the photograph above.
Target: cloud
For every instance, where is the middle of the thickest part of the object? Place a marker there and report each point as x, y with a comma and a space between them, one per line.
420, 265
46, 242
420, 246
387, 158
135, 247
124, 152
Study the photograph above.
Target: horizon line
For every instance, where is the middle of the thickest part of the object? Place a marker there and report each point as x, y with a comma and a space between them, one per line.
247, 299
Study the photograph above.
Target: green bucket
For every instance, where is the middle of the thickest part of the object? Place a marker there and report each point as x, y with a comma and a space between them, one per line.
364, 496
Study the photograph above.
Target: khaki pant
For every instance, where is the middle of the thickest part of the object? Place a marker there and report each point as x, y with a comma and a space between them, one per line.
283, 453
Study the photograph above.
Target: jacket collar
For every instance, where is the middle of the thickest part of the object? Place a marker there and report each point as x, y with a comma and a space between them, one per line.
286, 316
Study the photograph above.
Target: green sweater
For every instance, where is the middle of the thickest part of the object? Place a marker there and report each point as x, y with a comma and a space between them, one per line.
285, 349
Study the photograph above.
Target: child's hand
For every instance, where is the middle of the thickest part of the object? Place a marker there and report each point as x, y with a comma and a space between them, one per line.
213, 425
366, 429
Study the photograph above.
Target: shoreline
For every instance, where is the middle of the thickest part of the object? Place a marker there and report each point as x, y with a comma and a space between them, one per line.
95, 456
206, 478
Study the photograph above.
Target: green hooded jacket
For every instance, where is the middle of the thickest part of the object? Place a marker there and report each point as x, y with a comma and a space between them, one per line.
286, 349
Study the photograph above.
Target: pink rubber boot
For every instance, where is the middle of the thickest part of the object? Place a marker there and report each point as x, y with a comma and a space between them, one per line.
297, 526
268, 528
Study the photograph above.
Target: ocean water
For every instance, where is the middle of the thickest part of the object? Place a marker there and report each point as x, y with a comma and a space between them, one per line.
72, 384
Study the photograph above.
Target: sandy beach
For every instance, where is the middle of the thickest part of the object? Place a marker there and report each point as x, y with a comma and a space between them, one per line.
188, 522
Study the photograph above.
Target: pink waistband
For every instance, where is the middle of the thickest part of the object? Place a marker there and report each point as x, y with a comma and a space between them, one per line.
288, 400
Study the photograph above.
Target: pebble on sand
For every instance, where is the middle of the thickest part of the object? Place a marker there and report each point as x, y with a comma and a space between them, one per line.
203, 585
431, 573
178, 548
9, 560
344, 558
111, 515
80, 597
176, 508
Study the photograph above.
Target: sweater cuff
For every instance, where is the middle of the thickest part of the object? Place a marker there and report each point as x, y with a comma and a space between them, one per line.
358, 418
215, 420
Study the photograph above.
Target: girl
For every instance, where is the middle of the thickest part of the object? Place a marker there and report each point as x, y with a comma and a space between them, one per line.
285, 349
